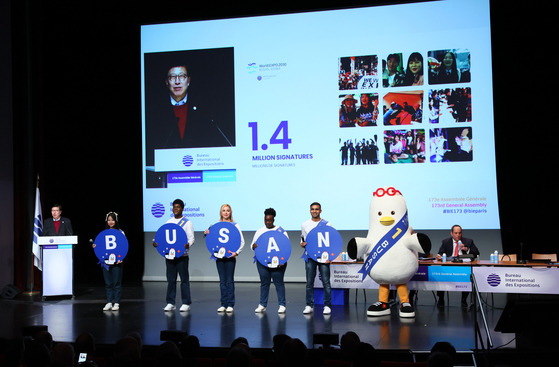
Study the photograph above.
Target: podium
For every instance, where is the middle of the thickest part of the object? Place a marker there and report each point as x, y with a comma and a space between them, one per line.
58, 260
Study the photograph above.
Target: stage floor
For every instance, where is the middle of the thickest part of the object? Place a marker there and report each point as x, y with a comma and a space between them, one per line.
142, 311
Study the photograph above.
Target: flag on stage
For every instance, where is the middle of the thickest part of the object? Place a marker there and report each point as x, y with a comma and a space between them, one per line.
37, 231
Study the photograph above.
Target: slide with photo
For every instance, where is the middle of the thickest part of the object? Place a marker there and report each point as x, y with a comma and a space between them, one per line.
283, 110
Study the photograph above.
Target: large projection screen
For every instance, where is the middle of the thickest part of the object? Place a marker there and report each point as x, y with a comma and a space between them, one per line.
326, 106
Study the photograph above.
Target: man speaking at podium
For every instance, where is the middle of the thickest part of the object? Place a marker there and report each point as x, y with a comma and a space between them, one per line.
57, 225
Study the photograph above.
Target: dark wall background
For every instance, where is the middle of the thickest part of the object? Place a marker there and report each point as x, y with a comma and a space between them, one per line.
76, 117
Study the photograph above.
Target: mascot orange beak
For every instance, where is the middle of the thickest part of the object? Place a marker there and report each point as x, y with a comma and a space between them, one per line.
386, 221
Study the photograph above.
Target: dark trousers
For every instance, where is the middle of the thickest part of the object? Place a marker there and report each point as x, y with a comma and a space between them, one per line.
178, 265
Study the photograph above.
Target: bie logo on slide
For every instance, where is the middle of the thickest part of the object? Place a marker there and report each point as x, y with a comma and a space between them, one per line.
187, 160
157, 210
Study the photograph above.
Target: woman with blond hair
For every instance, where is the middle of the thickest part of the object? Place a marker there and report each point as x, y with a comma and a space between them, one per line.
226, 265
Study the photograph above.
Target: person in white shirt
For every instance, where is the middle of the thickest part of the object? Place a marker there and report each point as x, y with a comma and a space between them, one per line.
179, 265
268, 274
311, 265
226, 265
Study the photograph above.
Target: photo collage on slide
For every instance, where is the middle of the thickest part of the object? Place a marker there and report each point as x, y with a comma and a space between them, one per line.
405, 108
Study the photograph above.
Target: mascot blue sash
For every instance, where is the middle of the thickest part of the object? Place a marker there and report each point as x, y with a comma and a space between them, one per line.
385, 244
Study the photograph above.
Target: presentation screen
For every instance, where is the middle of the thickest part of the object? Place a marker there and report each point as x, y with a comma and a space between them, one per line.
284, 110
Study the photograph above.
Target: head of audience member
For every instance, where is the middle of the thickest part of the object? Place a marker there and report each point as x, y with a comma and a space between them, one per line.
44, 337
365, 356
13, 350
278, 340
349, 343
85, 343
136, 336
239, 355
127, 352
168, 354
439, 359
36, 354
444, 347
294, 352
62, 355
189, 347
239, 340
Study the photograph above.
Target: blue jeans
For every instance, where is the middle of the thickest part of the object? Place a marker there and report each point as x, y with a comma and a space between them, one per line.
113, 283
226, 272
324, 270
178, 265
266, 276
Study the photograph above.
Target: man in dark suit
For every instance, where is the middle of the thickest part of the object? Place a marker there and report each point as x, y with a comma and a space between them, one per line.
57, 225
454, 246
187, 118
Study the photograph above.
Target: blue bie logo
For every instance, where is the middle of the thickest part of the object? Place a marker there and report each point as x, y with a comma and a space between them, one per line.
493, 279
187, 160
157, 210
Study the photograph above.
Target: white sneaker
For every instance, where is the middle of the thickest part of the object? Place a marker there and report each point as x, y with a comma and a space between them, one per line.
115, 307
221, 309
326, 310
307, 310
169, 307
281, 309
260, 308
185, 308
108, 307
229, 309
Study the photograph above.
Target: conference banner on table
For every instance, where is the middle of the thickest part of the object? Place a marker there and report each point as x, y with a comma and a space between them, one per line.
521, 279
292, 108
427, 277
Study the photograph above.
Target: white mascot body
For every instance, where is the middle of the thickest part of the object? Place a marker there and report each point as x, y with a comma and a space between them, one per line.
394, 246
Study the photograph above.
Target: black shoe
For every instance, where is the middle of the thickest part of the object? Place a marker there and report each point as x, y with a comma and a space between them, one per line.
440, 303
406, 310
378, 309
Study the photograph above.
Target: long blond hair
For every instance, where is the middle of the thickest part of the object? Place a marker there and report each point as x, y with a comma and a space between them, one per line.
221, 217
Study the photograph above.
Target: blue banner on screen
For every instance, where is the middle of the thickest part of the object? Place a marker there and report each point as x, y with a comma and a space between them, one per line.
170, 239
274, 249
223, 240
111, 246
291, 105
324, 243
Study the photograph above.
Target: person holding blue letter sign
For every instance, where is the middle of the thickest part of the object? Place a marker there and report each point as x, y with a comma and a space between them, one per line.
275, 270
179, 264
112, 268
311, 265
226, 261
